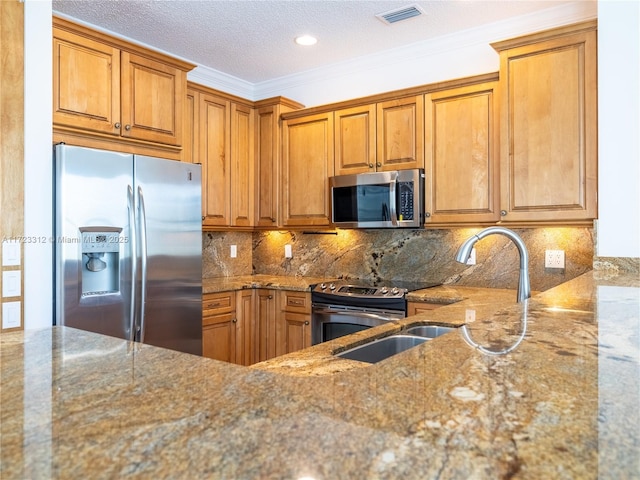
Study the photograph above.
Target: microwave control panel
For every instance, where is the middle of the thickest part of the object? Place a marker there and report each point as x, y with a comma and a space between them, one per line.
405, 203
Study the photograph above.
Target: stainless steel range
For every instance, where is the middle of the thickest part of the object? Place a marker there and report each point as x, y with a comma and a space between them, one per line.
348, 306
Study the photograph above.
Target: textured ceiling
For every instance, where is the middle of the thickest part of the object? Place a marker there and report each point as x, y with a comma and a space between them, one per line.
253, 40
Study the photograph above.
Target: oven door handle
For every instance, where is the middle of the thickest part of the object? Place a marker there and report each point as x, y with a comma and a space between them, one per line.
351, 313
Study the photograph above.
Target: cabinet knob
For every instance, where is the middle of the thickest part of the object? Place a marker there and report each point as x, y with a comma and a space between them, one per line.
306, 322
503, 213
117, 125
127, 127
427, 214
270, 297
378, 164
235, 320
273, 220
371, 165
203, 218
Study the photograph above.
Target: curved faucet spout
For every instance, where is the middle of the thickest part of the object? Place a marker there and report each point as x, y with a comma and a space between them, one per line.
524, 287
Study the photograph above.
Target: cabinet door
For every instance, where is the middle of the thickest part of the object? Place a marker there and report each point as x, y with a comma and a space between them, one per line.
152, 100
219, 326
265, 325
295, 331
219, 337
461, 159
400, 133
190, 150
355, 140
307, 165
215, 139
267, 177
549, 129
86, 83
245, 345
242, 165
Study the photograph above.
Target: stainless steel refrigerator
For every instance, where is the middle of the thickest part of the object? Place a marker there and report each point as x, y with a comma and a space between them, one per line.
128, 247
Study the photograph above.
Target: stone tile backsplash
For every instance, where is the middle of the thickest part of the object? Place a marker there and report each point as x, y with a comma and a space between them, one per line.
425, 255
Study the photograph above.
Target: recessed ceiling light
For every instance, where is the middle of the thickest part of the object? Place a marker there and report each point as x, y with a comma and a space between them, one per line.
306, 40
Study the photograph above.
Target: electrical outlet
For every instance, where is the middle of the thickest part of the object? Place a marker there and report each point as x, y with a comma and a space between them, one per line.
554, 259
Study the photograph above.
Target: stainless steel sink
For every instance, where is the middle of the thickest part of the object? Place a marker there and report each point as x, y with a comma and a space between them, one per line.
378, 350
429, 331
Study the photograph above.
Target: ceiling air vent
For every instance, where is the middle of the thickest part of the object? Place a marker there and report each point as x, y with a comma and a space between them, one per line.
400, 14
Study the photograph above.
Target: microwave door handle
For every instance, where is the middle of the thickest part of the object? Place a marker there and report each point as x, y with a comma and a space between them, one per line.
394, 208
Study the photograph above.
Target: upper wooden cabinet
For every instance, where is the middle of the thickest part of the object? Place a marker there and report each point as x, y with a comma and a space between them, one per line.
268, 134
307, 164
219, 134
106, 90
461, 155
400, 133
355, 140
549, 125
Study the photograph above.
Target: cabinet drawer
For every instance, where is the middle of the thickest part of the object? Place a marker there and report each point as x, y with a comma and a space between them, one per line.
215, 303
297, 302
414, 308
218, 319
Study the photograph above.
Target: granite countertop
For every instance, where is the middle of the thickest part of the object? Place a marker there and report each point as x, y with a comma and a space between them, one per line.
562, 403
277, 282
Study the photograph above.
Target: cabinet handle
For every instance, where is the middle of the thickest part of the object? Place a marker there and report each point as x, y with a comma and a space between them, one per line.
127, 127
203, 218
213, 305
117, 125
295, 302
503, 213
371, 165
378, 164
427, 214
270, 297
235, 320
306, 322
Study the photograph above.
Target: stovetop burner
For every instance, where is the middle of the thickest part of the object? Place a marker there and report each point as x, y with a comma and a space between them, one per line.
365, 288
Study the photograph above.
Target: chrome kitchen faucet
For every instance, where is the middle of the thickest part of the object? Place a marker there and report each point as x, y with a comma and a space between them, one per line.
524, 287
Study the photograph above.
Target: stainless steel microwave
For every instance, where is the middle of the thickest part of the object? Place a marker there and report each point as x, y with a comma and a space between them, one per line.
392, 199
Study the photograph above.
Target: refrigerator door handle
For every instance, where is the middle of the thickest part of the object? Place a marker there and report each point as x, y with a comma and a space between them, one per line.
134, 264
143, 258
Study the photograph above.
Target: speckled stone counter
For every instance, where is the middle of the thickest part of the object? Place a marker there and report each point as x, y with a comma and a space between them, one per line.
546, 389
276, 282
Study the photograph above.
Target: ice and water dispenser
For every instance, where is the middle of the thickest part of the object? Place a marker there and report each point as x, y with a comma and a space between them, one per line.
100, 260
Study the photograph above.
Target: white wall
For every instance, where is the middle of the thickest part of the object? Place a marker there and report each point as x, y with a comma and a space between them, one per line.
38, 293
619, 180
618, 129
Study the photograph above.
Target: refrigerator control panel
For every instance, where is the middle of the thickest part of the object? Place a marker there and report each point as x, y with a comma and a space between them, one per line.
95, 242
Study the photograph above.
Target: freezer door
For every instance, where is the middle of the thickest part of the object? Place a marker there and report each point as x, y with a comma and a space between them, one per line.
93, 240
168, 204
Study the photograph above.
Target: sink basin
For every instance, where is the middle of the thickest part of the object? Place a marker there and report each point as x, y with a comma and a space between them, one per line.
384, 348
429, 331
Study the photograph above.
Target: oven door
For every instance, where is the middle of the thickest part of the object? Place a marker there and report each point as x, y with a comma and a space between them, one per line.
332, 321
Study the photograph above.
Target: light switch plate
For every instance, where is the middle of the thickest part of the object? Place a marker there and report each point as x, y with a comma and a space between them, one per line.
10, 253
234, 251
11, 283
287, 251
10, 314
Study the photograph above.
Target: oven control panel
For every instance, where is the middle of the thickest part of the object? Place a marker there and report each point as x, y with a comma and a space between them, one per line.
359, 291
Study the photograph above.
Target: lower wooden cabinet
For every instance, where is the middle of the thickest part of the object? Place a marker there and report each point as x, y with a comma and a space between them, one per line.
226, 329
249, 326
219, 326
294, 322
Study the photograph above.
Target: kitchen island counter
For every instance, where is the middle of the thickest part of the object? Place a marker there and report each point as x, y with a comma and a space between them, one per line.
546, 389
